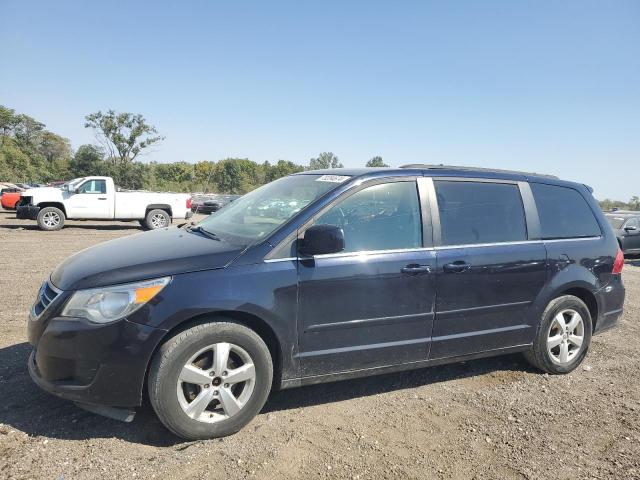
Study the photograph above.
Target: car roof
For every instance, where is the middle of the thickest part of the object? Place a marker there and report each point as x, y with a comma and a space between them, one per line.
446, 171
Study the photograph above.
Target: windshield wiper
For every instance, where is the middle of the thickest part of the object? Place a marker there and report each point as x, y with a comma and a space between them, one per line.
206, 233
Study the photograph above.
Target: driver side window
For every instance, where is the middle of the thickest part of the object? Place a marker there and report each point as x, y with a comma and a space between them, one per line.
380, 217
93, 186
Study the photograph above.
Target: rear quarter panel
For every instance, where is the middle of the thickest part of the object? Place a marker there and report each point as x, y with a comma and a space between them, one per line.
134, 204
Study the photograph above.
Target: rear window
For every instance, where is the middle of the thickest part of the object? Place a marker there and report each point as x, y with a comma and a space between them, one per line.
480, 212
564, 212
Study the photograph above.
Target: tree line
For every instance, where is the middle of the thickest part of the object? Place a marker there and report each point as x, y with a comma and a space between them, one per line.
31, 153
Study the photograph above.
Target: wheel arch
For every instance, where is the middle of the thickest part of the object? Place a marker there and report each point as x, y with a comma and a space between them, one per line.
57, 205
588, 297
159, 206
249, 320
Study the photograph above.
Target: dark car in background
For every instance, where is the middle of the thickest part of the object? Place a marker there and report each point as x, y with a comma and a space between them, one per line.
208, 204
626, 226
323, 276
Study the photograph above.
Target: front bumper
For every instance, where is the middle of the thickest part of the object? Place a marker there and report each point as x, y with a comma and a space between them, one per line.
92, 364
29, 212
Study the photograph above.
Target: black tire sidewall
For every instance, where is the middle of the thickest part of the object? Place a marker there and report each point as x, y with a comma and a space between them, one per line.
542, 356
163, 377
40, 219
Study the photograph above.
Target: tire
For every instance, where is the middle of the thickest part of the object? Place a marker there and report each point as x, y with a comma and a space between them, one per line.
156, 219
552, 360
50, 219
172, 398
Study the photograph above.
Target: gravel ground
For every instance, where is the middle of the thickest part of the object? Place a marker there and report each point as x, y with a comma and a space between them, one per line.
494, 418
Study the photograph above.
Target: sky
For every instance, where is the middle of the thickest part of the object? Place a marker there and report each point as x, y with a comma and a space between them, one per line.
544, 86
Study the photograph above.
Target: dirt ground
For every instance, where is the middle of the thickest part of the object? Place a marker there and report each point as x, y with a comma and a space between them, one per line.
494, 418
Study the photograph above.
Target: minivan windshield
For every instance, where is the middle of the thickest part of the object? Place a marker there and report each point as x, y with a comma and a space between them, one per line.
258, 213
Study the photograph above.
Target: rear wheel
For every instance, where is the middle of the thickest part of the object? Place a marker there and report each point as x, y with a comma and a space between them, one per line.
564, 336
156, 219
210, 380
50, 219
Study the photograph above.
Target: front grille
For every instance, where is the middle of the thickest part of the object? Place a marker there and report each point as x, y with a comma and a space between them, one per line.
47, 294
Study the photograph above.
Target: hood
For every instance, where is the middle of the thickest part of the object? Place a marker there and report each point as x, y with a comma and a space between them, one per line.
142, 256
49, 192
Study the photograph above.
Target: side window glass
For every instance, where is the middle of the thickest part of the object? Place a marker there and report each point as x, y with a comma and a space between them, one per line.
380, 217
563, 212
480, 212
632, 223
94, 186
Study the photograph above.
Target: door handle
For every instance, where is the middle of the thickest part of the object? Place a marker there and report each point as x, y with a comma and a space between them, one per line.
415, 269
456, 267
102, 198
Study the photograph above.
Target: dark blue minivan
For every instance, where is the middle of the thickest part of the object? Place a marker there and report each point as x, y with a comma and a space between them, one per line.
323, 276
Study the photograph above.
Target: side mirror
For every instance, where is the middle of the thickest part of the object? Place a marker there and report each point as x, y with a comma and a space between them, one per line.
631, 228
322, 239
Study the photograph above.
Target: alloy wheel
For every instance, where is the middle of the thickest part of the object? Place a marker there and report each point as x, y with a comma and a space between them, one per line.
216, 382
51, 219
565, 337
158, 221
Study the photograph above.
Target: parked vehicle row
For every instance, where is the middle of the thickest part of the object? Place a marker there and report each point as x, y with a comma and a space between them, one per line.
211, 203
318, 277
96, 198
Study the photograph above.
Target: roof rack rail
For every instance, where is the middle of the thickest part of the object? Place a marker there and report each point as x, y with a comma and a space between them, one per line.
427, 166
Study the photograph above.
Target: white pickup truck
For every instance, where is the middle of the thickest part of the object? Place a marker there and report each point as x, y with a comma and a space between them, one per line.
96, 198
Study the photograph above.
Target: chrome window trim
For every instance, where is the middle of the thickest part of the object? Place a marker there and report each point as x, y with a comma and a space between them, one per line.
365, 253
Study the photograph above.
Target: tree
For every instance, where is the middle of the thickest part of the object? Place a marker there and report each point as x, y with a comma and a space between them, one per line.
88, 160
280, 169
324, 160
634, 203
123, 135
376, 162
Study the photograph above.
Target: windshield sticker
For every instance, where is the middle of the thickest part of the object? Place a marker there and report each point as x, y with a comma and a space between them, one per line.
332, 178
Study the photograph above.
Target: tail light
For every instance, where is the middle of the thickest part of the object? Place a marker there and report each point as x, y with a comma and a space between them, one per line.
188, 204
618, 263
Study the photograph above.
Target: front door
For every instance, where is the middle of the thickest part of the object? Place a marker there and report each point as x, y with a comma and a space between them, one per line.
631, 240
371, 305
488, 271
90, 201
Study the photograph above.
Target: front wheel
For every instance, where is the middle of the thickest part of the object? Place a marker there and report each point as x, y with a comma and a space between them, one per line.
50, 219
211, 380
563, 337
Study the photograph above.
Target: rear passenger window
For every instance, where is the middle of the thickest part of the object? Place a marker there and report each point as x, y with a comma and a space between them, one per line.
563, 212
479, 212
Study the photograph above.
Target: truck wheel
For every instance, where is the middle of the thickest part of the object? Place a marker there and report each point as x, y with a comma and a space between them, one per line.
211, 380
156, 219
563, 337
50, 218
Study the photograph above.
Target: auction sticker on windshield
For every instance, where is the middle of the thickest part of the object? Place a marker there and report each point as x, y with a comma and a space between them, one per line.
332, 178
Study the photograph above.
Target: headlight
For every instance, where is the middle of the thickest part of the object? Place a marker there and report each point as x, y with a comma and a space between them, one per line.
102, 305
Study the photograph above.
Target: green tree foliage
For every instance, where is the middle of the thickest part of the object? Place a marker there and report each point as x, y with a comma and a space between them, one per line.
123, 135
30, 152
607, 205
324, 160
376, 162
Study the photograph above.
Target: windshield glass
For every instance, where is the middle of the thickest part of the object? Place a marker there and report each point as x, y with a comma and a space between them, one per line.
616, 222
258, 213
71, 183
